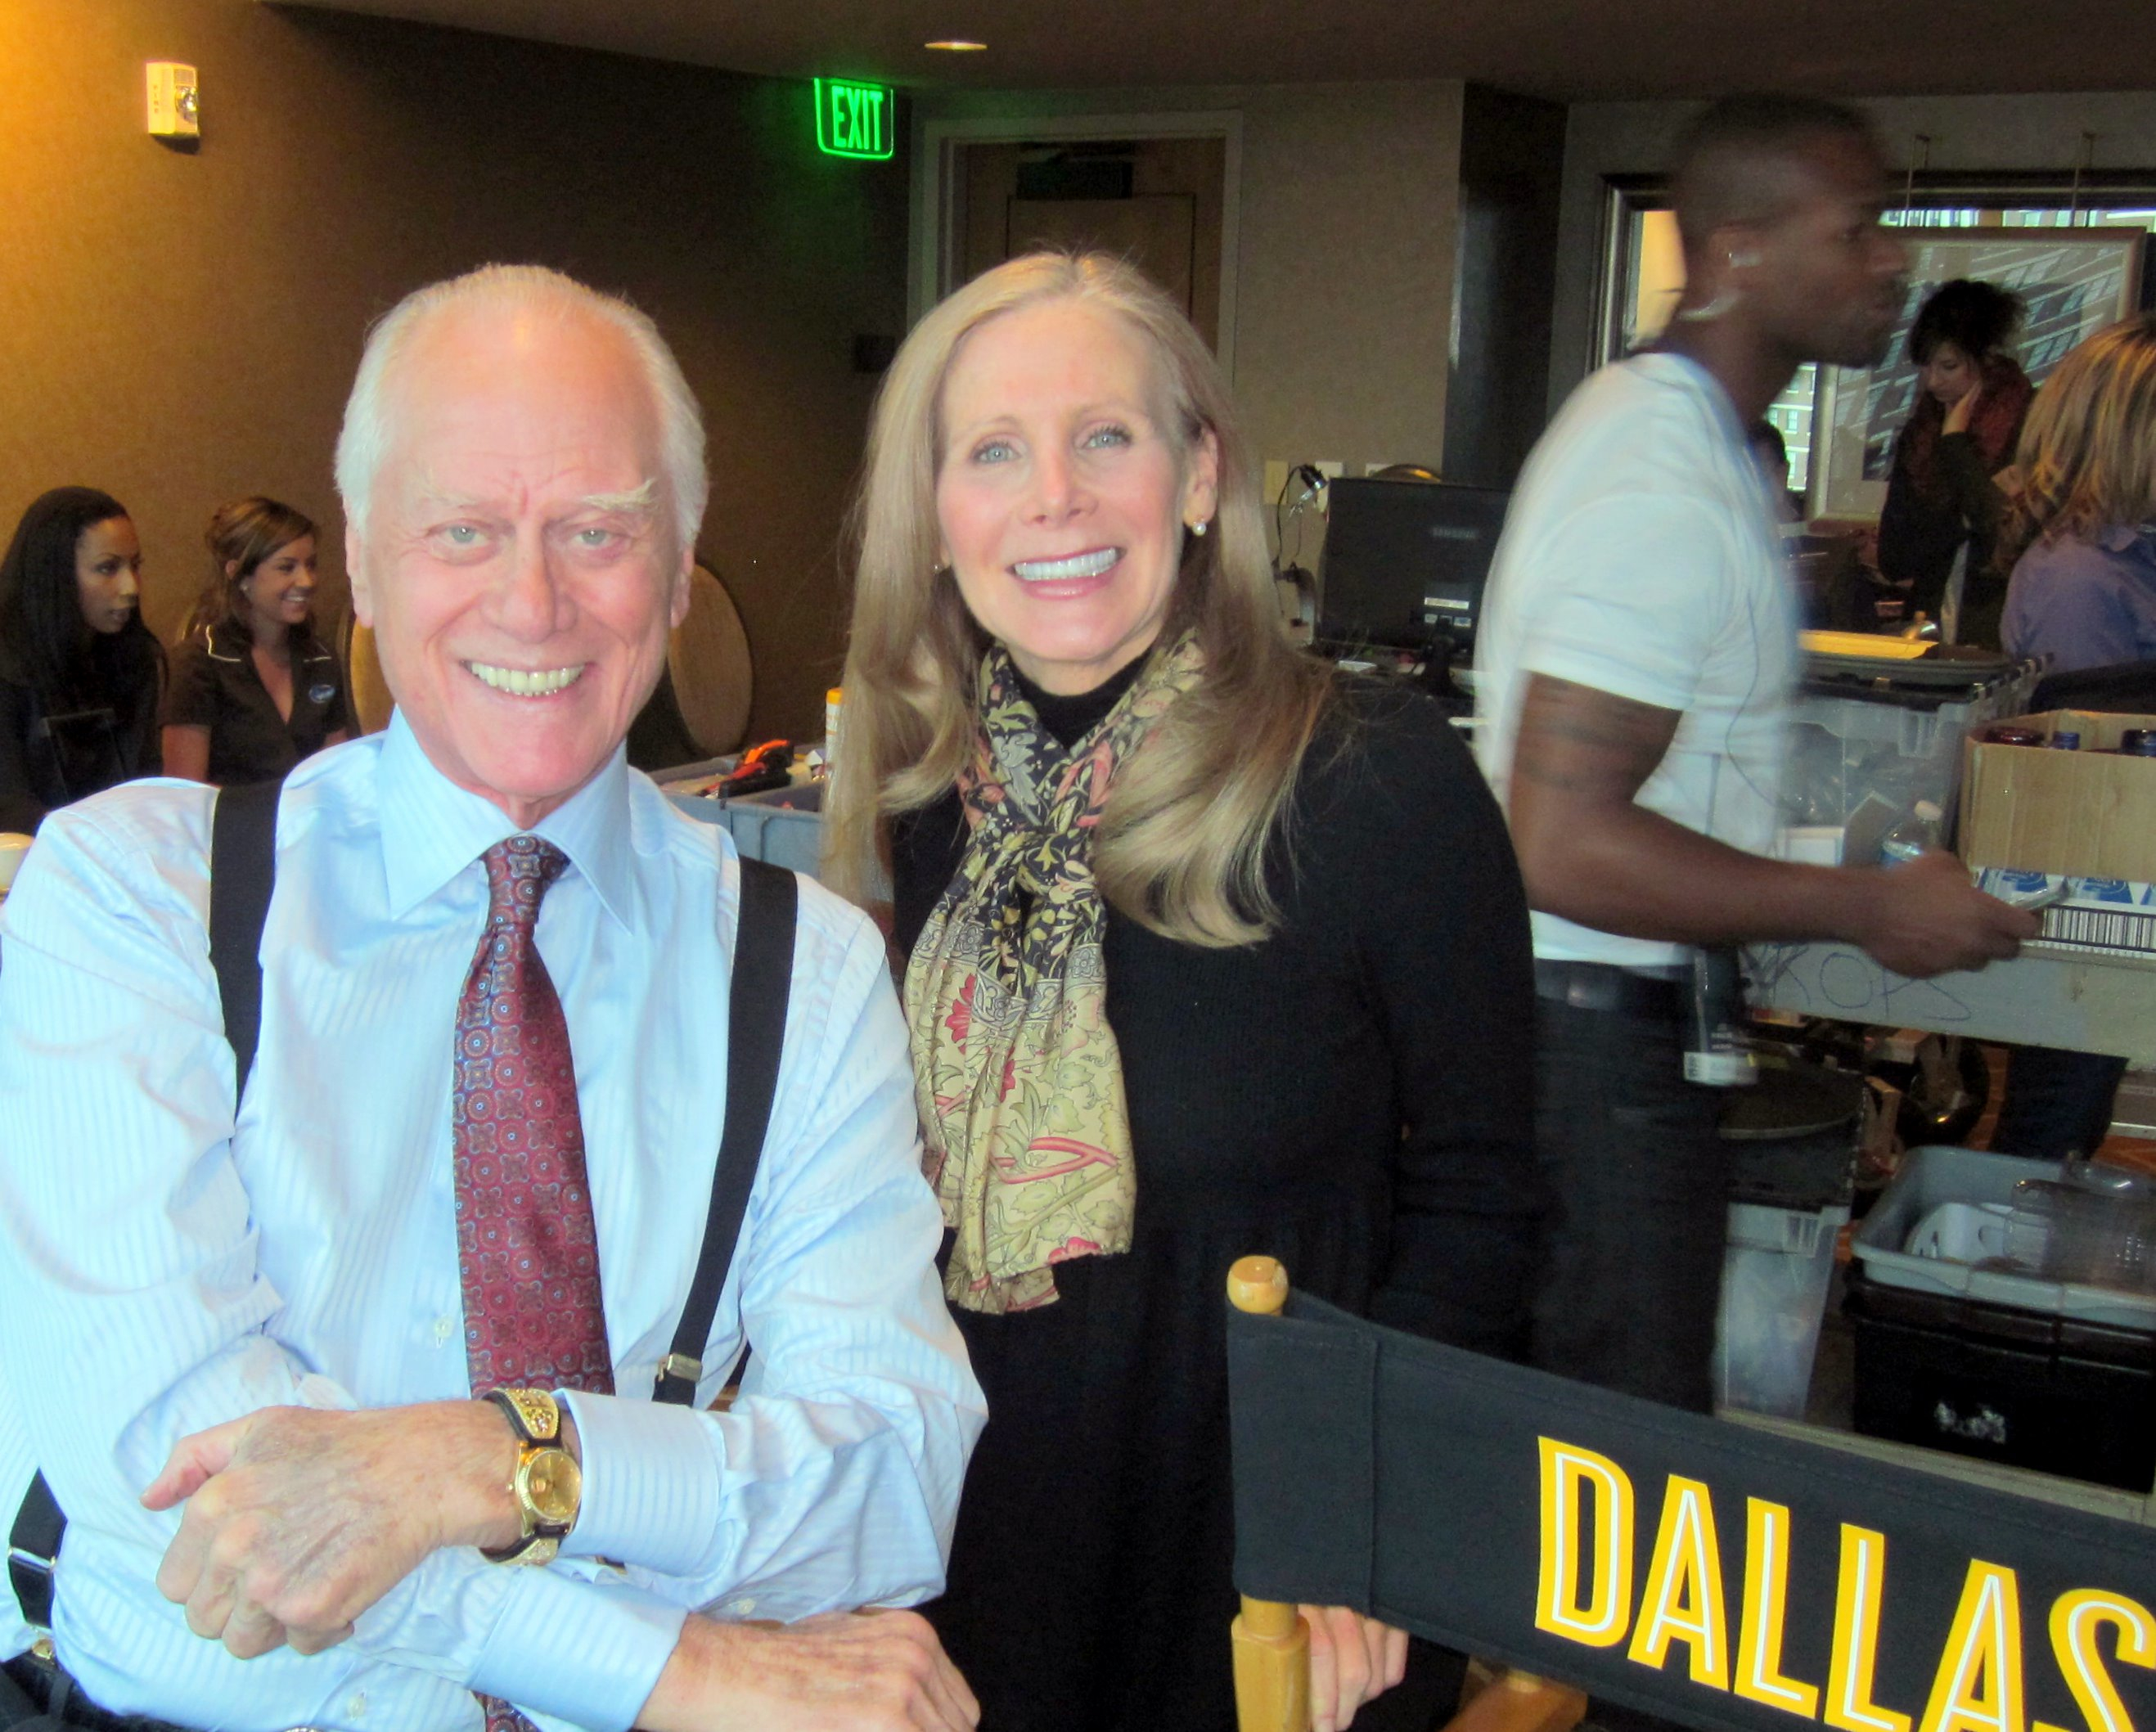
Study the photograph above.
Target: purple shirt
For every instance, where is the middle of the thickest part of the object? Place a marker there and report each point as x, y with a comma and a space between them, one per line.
2084, 604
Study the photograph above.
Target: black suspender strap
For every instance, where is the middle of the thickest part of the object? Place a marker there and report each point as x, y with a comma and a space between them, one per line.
33, 1543
243, 870
763, 977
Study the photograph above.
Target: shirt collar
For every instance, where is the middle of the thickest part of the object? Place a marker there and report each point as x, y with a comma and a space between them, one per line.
432, 829
1667, 363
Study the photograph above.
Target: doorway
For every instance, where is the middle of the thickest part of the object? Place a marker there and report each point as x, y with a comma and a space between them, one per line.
1156, 202
1160, 191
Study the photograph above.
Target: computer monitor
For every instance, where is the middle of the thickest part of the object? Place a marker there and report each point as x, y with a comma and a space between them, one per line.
1405, 562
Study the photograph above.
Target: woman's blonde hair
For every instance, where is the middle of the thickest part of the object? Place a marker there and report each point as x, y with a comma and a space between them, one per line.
2087, 457
1181, 847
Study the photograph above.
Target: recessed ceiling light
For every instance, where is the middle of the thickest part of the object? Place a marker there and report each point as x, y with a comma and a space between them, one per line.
956, 45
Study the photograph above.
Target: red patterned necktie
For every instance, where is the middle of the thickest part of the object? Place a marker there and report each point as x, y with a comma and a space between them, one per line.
528, 1249
526, 1246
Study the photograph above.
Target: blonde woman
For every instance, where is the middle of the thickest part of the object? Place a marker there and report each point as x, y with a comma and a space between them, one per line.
2083, 595
2083, 521
1210, 952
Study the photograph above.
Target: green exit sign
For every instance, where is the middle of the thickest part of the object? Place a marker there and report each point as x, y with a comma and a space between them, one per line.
853, 119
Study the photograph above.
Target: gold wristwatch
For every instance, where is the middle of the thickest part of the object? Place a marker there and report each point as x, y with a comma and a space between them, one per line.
548, 1484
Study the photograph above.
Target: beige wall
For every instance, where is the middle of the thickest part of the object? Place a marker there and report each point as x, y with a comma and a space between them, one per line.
1349, 201
1980, 135
180, 328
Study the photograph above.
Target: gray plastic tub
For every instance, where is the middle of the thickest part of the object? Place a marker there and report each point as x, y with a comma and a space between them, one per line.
784, 826
1930, 1177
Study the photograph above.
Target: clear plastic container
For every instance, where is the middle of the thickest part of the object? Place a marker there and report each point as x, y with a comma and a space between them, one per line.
2093, 1226
1775, 1273
1850, 746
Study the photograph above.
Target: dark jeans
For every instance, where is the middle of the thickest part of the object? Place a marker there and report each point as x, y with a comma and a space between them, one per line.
1632, 1158
2056, 1103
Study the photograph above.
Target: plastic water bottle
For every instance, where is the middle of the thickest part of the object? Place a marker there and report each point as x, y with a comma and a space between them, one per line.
1916, 834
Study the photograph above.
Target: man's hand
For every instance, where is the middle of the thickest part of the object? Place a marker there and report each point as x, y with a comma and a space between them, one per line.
1962, 408
1353, 1659
298, 1520
1926, 918
845, 1671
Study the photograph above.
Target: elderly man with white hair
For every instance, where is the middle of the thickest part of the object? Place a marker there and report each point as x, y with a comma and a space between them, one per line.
248, 1340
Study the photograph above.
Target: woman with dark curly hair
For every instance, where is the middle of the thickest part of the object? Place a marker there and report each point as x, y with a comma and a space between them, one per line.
79, 673
1940, 501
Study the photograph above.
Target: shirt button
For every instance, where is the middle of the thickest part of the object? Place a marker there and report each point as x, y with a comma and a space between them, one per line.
355, 1704
445, 1327
743, 1606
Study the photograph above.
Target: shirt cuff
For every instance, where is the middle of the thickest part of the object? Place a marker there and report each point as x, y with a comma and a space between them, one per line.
589, 1652
653, 1475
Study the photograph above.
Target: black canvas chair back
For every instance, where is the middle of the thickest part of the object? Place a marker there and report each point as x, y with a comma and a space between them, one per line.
1710, 1573
2123, 687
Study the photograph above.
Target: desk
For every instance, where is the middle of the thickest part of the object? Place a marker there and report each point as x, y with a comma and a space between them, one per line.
2047, 997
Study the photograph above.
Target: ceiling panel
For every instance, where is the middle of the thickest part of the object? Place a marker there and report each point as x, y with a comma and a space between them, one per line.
1570, 49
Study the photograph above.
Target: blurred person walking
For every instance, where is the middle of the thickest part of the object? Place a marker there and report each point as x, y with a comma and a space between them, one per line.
1637, 653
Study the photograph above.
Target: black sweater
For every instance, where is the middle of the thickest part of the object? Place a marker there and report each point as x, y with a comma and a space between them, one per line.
109, 738
1353, 1096
1377, 1048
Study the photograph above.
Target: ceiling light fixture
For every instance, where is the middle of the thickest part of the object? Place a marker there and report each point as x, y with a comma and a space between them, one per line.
956, 45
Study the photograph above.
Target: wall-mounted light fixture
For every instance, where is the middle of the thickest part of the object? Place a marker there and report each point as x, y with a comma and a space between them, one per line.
175, 100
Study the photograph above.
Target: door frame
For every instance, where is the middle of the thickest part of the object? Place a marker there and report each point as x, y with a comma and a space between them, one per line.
931, 228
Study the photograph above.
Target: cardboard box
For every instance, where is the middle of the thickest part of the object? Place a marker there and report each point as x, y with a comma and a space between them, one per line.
2113, 915
2085, 814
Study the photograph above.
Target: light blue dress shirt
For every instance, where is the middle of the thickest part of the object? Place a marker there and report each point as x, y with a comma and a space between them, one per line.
161, 1272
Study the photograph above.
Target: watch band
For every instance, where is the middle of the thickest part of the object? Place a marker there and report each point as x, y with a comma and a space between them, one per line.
533, 1414
546, 1482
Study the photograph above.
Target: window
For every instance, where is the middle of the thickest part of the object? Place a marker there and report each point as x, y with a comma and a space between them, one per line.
1644, 272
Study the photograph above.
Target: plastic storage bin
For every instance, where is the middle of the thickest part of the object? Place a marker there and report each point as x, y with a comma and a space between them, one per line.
1893, 743
784, 826
1983, 1362
1791, 1140
1774, 1280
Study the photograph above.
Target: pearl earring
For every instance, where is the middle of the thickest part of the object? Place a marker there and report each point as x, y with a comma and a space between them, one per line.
1199, 528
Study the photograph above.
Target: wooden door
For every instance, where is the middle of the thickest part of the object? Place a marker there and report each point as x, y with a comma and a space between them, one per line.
1166, 215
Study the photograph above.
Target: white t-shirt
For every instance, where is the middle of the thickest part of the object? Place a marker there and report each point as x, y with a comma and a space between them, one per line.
1640, 557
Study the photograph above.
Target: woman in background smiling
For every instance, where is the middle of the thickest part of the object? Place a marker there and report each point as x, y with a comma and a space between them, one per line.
1212, 952
253, 690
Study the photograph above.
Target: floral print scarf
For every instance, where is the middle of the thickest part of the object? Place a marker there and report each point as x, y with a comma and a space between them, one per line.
1016, 1072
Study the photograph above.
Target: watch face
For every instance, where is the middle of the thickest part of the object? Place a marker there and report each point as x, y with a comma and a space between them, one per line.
551, 1486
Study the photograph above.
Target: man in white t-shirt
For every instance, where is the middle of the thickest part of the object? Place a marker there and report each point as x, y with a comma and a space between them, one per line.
1638, 650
